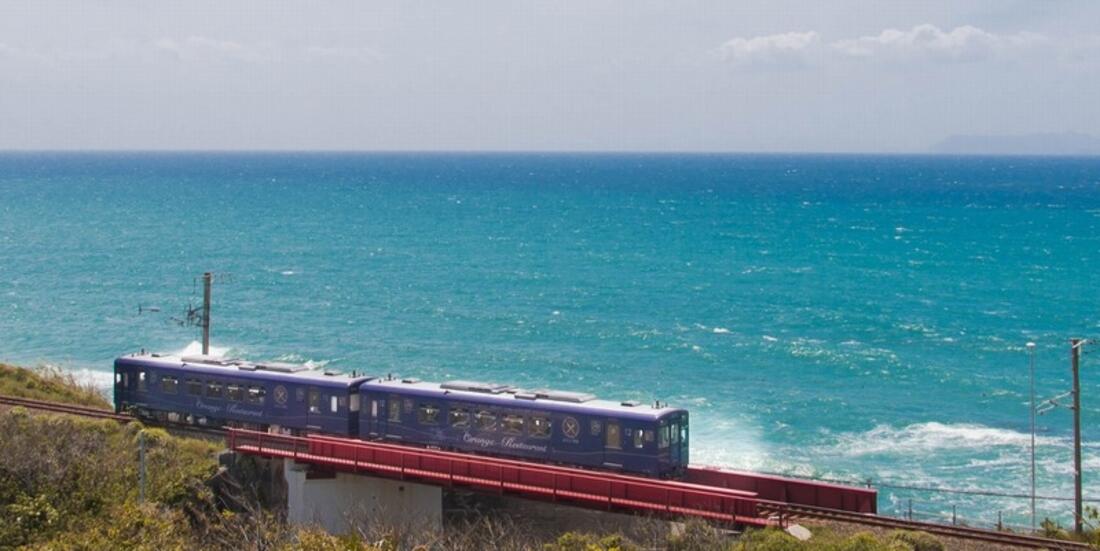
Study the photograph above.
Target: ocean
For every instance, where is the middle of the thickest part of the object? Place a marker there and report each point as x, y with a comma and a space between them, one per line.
841, 317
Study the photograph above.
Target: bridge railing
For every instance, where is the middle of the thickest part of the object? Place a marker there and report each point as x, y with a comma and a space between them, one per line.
538, 481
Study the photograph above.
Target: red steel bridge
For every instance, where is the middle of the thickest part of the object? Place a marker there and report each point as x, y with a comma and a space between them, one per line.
728, 496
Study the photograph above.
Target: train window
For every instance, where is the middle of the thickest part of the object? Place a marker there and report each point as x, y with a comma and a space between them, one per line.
512, 424
118, 378
649, 435
427, 414
540, 427
234, 392
213, 390
613, 439
141, 381
639, 438
394, 405
353, 402
194, 387
168, 385
675, 433
485, 420
459, 418
256, 395
334, 404
662, 436
314, 400
684, 430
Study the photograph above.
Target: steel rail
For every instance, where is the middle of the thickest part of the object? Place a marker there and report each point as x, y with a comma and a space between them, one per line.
56, 407
787, 513
96, 413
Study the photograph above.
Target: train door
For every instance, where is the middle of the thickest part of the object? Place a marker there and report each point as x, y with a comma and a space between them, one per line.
613, 444
122, 388
678, 437
374, 421
314, 418
674, 448
684, 439
386, 416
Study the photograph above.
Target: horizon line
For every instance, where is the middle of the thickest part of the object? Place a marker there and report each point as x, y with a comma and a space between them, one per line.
579, 152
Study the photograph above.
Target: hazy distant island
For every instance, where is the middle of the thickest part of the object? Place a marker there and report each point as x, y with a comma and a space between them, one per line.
1065, 143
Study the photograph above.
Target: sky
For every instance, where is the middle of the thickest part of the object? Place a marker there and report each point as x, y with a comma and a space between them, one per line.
593, 75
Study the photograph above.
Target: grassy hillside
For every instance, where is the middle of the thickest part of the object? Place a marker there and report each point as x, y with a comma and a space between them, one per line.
47, 383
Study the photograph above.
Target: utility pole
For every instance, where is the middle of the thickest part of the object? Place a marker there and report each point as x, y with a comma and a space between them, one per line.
207, 281
141, 466
1075, 355
1031, 363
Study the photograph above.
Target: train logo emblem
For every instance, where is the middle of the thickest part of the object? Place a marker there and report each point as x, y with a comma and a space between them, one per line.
280, 395
571, 428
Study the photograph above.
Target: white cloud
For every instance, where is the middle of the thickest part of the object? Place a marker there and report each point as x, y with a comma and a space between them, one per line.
206, 48
926, 41
961, 43
775, 49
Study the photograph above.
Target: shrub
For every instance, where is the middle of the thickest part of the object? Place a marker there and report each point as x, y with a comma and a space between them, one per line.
769, 539
696, 536
917, 541
572, 541
1051, 529
863, 541
129, 526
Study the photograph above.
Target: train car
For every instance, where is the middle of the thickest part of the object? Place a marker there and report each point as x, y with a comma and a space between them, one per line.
217, 392
545, 425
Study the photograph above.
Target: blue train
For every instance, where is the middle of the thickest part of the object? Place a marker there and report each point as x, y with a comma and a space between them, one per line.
544, 425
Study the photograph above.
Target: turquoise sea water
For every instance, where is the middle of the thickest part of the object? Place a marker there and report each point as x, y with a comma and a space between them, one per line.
846, 317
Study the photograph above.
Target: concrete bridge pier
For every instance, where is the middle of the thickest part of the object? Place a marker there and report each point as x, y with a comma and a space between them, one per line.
339, 502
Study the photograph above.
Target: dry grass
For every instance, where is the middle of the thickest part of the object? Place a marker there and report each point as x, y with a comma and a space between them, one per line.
49, 383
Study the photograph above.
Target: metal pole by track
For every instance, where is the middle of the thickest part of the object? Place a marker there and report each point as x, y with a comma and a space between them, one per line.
1078, 519
1031, 363
207, 280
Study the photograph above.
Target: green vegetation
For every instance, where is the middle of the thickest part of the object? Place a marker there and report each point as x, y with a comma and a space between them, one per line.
69, 483
64, 477
1052, 529
48, 383
697, 536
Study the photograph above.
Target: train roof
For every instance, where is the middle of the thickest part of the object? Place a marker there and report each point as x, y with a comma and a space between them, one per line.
231, 367
509, 396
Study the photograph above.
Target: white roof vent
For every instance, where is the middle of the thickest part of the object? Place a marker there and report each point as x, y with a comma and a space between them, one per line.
474, 386
565, 396
282, 367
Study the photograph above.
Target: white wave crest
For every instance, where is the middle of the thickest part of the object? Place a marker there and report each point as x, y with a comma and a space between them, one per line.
299, 359
926, 438
195, 348
102, 380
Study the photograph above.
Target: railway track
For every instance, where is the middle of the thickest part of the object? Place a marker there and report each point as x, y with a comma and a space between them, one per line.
787, 513
71, 409
782, 513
